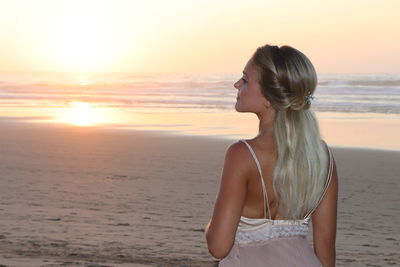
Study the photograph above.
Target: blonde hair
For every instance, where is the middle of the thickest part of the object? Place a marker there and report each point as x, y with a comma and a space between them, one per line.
287, 76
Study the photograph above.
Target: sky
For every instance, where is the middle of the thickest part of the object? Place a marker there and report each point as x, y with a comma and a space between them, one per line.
195, 36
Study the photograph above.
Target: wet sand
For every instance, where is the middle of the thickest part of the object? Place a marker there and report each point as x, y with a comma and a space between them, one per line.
73, 196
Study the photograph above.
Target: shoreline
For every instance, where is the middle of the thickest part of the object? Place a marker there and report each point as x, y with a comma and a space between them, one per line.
329, 132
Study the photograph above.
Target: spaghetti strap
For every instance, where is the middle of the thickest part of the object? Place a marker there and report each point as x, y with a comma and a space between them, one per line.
265, 195
328, 180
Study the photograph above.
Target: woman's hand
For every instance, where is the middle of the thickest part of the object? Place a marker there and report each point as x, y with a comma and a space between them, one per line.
220, 231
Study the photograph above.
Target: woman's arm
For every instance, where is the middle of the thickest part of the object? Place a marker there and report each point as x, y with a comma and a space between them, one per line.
220, 231
324, 223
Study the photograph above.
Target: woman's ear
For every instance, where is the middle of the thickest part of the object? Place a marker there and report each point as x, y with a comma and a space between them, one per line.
267, 103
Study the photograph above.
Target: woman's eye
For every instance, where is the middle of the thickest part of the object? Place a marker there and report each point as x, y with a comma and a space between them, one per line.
244, 80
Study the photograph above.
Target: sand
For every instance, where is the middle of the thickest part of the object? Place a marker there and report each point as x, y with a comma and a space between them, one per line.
73, 196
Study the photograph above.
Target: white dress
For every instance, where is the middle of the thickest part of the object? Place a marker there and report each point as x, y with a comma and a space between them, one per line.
277, 243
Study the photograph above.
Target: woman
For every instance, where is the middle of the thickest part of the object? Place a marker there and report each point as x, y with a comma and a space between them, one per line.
275, 183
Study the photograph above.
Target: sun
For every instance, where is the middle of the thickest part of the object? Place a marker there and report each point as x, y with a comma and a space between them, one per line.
83, 41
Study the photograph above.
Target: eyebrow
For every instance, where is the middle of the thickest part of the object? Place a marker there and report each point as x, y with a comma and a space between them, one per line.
245, 73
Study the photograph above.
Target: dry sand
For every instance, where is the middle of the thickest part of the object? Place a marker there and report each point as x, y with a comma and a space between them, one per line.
94, 197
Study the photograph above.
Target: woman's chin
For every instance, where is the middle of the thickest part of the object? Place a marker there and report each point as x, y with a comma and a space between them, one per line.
237, 108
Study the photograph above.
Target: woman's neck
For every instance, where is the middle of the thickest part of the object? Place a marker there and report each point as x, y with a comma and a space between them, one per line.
266, 125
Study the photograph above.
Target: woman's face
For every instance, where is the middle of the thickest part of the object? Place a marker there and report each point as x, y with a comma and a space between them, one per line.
249, 97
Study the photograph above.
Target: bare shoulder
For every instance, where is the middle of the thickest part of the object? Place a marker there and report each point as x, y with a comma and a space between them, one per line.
237, 157
236, 149
237, 152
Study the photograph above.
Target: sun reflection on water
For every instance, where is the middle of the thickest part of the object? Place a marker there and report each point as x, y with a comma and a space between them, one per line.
81, 114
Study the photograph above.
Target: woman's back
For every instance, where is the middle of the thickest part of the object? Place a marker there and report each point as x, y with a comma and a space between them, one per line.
267, 241
265, 153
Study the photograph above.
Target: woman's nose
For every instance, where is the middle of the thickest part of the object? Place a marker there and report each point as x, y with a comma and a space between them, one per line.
236, 84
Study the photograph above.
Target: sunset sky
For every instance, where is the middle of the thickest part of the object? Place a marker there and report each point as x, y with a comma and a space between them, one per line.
188, 36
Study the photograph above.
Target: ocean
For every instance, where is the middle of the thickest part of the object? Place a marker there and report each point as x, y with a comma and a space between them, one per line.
370, 93
180, 103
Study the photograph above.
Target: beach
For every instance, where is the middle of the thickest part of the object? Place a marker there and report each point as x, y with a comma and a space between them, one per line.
92, 196
115, 117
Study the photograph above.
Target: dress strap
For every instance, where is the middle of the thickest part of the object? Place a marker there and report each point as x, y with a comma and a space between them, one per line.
328, 180
265, 195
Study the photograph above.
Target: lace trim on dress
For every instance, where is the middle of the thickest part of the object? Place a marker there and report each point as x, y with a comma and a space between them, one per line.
257, 230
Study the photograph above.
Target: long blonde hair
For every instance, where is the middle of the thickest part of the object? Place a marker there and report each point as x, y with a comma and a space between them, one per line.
287, 76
